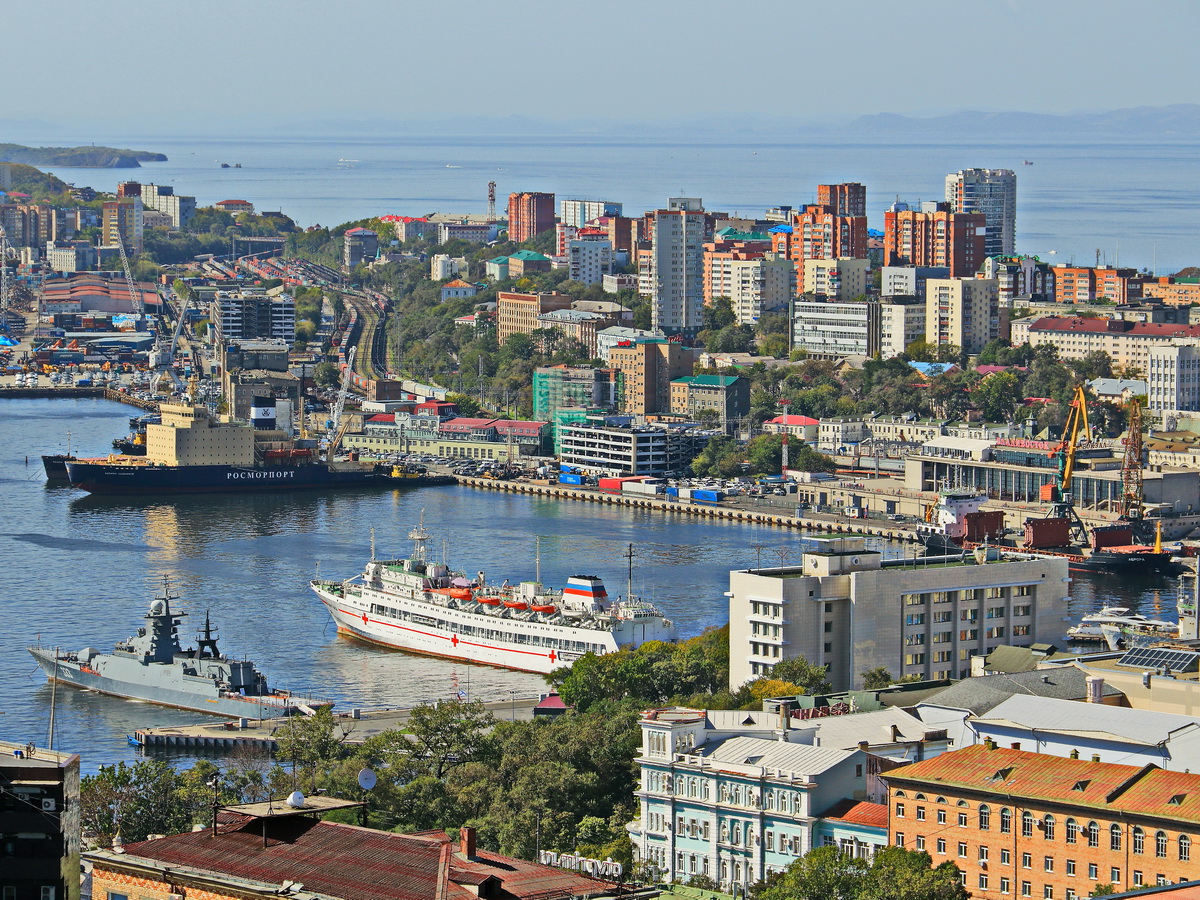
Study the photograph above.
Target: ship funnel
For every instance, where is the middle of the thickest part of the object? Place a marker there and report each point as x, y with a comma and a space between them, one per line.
262, 413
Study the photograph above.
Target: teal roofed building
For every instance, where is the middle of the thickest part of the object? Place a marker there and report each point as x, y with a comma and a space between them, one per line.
732, 234
729, 395
525, 261
496, 269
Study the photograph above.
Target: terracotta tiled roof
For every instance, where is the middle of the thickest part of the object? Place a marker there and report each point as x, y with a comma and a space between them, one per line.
1084, 325
1131, 790
859, 812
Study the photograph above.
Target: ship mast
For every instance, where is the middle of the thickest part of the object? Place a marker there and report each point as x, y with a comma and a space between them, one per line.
419, 536
628, 554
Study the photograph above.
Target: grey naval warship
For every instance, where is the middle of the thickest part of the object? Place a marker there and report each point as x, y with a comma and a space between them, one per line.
152, 666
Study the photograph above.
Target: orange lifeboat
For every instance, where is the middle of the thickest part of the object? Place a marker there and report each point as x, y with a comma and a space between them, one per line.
456, 593
489, 601
516, 604
547, 608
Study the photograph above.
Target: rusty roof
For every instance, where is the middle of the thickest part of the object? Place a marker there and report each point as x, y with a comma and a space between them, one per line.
859, 812
357, 863
1107, 787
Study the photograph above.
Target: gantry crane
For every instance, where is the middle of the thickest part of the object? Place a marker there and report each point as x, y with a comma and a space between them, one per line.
1131, 467
1075, 429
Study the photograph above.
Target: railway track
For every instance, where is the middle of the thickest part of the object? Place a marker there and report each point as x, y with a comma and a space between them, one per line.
371, 361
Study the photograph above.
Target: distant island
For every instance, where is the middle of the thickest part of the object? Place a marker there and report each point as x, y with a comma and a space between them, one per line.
78, 157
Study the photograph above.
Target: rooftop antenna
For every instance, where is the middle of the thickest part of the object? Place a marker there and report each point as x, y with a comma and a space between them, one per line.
537, 556
372, 543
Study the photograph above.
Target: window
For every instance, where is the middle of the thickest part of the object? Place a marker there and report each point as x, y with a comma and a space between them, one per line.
962, 820
1026, 824
110, 895
1071, 895
1006, 821
1093, 834
920, 814
1160, 845
941, 846
1138, 880
1185, 848
1026, 860
920, 842
47, 892
1139, 840
1026, 889
983, 854
1093, 871
899, 838
983, 882
1004, 885
1072, 831
1070, 867
1048, 828
1048, 864
1048, 892
941, 817
962, 849
1005, 857
900, 810
985, 818
1114, 875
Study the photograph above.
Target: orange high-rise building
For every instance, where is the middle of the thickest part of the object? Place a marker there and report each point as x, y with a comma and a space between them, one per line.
529, 214
934, 236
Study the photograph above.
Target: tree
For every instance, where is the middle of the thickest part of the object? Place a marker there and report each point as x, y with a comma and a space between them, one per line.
799, 671
804, 458
325, 375
1103, 890
876, 679
451, 733
997, 396
899, 874
825, 873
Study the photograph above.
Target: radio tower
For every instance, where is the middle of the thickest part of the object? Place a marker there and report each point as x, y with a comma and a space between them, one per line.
491, 215
784, 448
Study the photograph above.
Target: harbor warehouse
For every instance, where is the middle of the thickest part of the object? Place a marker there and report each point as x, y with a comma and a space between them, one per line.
846, 607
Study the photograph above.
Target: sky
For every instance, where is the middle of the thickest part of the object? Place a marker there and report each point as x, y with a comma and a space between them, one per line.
210, 65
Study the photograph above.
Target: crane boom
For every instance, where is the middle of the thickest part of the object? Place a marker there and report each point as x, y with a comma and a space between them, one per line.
134, 294
340, 405
1075, 429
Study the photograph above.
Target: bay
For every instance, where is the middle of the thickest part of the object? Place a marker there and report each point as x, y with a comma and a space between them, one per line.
1135, 202
80, 570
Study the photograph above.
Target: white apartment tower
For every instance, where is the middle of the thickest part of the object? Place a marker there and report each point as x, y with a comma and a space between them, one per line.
578, 213
676, 266
1173, 377
992, 192
589, 261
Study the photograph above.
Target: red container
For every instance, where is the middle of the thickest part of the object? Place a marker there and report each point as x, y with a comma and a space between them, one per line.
1043, 534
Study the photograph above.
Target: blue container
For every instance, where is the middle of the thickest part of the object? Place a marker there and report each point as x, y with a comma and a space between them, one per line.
568, 478
708, 496
672, 492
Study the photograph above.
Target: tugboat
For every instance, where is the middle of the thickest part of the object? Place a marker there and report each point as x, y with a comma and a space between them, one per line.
152, 666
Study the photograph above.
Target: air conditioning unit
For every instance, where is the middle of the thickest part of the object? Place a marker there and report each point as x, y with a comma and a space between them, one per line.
48, 804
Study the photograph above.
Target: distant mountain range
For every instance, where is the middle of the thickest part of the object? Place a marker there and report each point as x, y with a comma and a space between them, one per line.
1180, 120
91, 157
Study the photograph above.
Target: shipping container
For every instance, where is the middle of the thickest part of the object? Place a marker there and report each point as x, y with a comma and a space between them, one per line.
637, 487
701, 496
611, 485
1112, 536
570, 478
1048, 493
672, 492
685, 493
986, 524
1047, 533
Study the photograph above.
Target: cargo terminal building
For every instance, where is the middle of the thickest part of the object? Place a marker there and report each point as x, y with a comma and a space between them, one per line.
1016, 470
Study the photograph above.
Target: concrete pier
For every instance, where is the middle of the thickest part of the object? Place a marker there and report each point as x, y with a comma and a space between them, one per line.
690, 508
355, 727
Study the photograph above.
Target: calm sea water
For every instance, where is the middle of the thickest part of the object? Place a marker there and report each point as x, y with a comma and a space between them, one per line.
80, 571
1137, 203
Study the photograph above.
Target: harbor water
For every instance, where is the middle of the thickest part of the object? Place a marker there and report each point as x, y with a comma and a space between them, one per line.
80, 571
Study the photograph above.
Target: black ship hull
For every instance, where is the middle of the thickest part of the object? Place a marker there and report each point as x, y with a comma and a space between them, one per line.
116, 478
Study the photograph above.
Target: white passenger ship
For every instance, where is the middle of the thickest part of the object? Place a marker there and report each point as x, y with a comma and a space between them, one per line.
424, 607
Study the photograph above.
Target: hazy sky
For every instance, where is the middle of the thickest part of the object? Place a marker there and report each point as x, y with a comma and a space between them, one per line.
215, 62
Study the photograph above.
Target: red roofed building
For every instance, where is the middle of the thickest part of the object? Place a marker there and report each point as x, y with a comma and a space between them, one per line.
235, 206
453, 290
1023, 824
1127, 343
299, 856
803, 427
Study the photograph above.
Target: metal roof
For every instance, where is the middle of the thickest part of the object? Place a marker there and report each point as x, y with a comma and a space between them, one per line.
748, 755
1049, 715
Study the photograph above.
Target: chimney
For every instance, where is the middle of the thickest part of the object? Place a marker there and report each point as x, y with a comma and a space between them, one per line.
863, 745
1016, 745
1095, 757
785, 716
990, 744
466, 841
896, 736
1095, 689
1075, 754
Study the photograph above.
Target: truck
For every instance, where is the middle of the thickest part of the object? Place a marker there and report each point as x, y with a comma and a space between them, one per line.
706, 496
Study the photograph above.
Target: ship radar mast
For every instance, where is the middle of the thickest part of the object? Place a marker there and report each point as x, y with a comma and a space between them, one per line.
419, 536
206, 641
628, 554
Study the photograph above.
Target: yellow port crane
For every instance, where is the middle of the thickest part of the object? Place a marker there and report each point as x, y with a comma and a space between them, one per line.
1075, 429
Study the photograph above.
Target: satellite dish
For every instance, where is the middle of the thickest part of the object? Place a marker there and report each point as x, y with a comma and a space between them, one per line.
366, 779
295, 800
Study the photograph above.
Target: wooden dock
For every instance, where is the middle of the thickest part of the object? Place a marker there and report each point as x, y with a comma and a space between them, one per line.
355, 726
